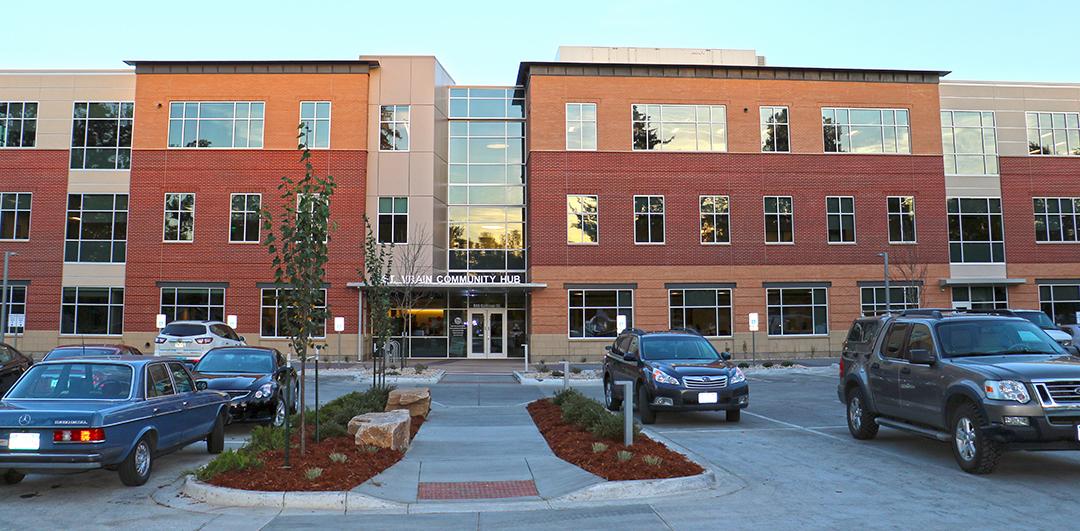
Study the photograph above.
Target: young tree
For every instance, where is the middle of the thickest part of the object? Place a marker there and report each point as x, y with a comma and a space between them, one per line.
907, 267
377, 263
299, 246
414, 262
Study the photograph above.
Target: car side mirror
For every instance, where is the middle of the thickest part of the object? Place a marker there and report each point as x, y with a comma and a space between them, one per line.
608, 348
201, 385
242, 339
726, 356
921, 356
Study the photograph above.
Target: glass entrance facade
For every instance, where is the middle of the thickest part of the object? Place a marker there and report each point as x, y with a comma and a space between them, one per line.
460, 323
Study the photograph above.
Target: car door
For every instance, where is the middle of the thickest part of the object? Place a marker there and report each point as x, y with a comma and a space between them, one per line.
191, 409
922, 387
11, 367
884, 371
165, 407
620, 368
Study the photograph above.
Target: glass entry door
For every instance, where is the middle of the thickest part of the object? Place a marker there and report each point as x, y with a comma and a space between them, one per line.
487, 333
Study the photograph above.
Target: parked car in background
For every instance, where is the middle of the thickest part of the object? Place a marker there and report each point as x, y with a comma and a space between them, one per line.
90, 351
1074, 330
677, 370
12, 365
1041, 320
119, 414
191, 339
255, 380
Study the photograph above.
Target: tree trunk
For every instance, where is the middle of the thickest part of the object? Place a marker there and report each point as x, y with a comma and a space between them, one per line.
303, 402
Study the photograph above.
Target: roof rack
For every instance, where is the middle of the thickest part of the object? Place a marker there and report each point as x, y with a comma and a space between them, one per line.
938, 313
685, 329
633, 331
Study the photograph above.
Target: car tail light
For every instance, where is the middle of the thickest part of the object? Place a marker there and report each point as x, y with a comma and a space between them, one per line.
204, 340
841, 367
92, 435
159, 340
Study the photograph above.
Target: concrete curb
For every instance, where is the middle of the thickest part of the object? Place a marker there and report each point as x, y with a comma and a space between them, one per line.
553, 382
642, 488
338, 501
395, 380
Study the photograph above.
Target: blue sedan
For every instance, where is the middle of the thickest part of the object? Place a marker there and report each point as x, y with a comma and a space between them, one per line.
118, 414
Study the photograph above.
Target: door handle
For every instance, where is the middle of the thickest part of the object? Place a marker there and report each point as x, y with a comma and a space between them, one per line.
905, 370
184, 404
156, 410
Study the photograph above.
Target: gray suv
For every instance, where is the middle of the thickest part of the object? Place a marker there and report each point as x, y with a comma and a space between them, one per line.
985, 383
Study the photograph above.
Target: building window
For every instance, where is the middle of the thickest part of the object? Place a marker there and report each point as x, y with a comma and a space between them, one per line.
96, 228
217, 124
840, 212
18, 123
901, 219
708, 311
866, 130
969, 141
581, 126
15, 216
179, 217
980, 297
1055, 133
594, 312
193, 304
101, 135
648, 219
393, 220
394, 128
582, 219
774, 129
244, 212
715, 218
679, 127
798, 311
976, 234
315, 117
1057, 219
1061, 302
779, 219
92, 311
487, 102
900, 298
274, 312
16, 305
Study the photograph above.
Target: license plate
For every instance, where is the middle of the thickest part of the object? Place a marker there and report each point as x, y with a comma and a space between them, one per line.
178, 345
1078, 432
706, 398
24, 441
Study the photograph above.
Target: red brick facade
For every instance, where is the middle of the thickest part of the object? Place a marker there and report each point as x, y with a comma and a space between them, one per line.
1023, 178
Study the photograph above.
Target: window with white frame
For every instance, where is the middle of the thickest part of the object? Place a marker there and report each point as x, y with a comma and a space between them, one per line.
581, 126
774, 129
1053, 133
16, 305
216, 124
1057, 219
797, 311
315, 118
679, 127
193, 304
900, 298
92, 311
969, 141
15, 215
976, 234
708, 311
394, 128
990, 297
840, 216
582, 219
901, 219
1061, 302
779, 219
274, 312
594, 312
648, 219
244, 217
715, 211
96, 228
851, 130
101, 135
393, 220
179, 225
18, 123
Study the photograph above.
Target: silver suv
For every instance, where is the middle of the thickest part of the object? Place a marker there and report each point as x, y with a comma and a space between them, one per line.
191, 339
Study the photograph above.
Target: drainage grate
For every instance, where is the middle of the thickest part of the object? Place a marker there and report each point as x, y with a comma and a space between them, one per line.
476, 490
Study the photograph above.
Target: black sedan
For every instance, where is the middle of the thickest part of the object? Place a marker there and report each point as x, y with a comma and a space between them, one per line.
254, 378
12, 365
91, 351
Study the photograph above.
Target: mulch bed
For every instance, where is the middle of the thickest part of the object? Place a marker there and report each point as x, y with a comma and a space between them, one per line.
360, 466
573, 444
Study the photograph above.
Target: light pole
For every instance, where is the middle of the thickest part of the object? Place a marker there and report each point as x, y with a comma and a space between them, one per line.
888, 305
4, 297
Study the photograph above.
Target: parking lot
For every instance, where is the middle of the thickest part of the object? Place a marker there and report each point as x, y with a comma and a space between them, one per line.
791, 456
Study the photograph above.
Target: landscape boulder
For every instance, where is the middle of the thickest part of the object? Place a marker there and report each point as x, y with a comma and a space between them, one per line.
389, 429
416, 399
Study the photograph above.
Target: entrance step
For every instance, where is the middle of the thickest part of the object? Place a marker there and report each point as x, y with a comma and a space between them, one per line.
450, 378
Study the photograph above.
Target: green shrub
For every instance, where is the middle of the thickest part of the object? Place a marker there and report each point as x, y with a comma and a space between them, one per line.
338, 458
556, 374
623, 456
590, 415
767, 364
265, 438
652, 460
419, 368
567, 394
575, 370
786, 363
541, 367
599, 447
226, 461
584, 359
611, 426
313, 473
371, 448
744, 365
393, 373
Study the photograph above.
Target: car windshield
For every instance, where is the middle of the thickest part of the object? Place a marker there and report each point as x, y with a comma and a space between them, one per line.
992, 337
1039, 318
79, 352
183, 330
74, 381
236, 360
677, 348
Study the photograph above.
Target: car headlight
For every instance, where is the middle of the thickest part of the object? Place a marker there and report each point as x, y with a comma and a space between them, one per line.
660, 376
1007, 390
737, 376
265, 391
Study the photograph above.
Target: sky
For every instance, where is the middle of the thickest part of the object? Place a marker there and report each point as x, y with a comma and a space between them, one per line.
482, 42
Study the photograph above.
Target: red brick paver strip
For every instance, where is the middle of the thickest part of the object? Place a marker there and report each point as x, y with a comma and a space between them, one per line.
476, 490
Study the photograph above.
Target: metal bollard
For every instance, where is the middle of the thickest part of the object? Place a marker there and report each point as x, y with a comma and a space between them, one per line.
526, 347
628, 411
565, 375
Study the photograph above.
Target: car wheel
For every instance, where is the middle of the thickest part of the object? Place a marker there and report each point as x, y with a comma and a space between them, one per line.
215, 441
612, 402
279, 412
135, 469
975, 452
648, 416
860, 420
12, 477
733, 415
